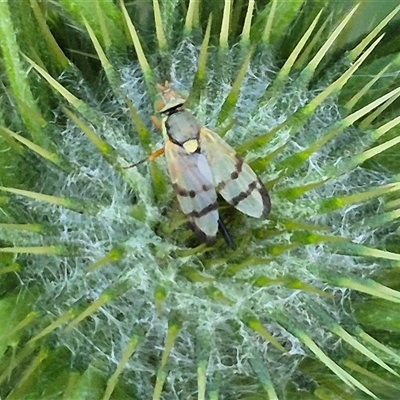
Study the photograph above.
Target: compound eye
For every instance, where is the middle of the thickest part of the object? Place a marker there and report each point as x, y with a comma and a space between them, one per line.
159, 105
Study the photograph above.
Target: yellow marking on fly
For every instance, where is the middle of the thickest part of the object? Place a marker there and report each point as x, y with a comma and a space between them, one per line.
191, 145
200, 164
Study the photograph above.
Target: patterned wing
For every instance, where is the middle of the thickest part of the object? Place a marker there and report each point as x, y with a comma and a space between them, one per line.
237, 183
192, 181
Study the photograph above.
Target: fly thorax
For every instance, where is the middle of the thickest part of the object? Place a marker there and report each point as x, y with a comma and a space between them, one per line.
183, 129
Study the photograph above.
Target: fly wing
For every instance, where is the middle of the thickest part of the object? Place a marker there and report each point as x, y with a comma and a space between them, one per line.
237, 183
192, 181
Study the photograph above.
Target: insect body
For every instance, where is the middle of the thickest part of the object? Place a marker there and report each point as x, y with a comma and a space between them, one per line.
200, 164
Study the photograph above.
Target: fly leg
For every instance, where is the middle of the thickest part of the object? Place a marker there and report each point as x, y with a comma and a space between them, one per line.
151, 157
158, 124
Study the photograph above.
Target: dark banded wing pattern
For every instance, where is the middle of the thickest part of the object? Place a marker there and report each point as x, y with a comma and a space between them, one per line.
193, 184
200, 164
237, 183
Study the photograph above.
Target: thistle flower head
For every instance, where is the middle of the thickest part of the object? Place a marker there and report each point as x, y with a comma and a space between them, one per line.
103, 271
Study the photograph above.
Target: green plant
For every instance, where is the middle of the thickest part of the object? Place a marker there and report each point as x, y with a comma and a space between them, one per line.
106, 293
